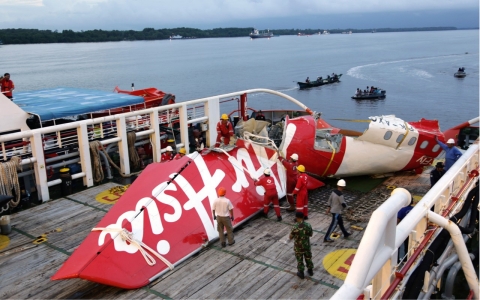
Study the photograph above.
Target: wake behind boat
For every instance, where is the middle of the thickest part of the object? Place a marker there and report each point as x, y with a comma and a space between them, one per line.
320, 81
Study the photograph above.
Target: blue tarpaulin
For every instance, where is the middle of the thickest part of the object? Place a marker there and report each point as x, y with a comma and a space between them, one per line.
66, 102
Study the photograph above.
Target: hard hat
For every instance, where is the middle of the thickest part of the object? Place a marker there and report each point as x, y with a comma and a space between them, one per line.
224, 117
169, 148
341, 182
301, 168
182, 151
294, 156
221, 191
451, 141
266, 171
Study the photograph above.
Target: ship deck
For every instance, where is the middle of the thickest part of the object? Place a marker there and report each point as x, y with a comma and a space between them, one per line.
258, 265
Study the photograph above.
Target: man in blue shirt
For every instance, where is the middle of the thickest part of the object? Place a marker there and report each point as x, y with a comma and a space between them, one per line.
451, 152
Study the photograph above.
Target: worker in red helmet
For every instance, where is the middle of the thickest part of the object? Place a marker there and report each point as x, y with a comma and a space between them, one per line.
271, 195
292, 174
223, 212
167, 155
224, 130
302, 192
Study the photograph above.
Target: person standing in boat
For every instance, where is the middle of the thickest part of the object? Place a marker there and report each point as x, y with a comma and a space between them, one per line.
181, 153
167, 155
271, 195
307, 80
302, 192
224, 130
222, 209
292, 174
336, 205
260, 116
436, 174
301, 233
452, 154
7, 86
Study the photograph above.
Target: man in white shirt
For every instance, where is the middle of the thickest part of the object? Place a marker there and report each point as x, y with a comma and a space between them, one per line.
223, 212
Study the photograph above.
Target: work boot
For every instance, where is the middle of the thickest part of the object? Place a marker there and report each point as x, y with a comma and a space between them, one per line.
279, 218
347, 235
310, 272
231, 244
305, 218
291, 208
224, 245
301, 275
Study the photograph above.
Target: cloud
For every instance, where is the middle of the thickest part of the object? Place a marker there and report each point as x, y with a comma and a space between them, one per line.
139, 14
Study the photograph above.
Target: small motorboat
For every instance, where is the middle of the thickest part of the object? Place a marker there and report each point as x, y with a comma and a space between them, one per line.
376, 94
460, 73
320, 81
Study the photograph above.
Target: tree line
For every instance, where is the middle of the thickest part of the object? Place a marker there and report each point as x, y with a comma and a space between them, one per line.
36, 36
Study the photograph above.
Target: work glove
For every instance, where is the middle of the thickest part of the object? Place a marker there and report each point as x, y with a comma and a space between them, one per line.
214, 217
231, 218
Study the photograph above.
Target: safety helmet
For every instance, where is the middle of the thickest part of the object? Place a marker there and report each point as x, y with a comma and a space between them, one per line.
341, 182
169, 148
221, 191
301, 168
182, 151
451, 141
224, 117
294, 156
266, 171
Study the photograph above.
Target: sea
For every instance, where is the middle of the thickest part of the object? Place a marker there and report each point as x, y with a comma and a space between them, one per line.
415, 68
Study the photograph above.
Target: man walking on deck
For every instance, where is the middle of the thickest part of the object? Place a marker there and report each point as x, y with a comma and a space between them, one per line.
271, 195
292, 174
7, 86
223, 212
336, 204
452, 154
302, 192
301, 233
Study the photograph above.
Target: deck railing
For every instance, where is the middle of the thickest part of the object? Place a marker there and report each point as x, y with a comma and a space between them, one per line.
33, 146
374, 272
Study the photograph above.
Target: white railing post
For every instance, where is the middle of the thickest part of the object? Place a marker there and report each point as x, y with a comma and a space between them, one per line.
155, 136
84, 151
123, 145
212, 110
182, 113
40, 167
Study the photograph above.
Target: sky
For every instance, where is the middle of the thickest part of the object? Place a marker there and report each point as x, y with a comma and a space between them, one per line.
80, 15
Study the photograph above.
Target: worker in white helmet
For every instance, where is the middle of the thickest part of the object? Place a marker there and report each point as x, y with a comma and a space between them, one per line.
336, 205
292, 174
224, 130
271, 195
167, 155
452, 154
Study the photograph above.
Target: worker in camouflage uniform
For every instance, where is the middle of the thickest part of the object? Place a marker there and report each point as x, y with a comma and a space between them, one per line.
301, 233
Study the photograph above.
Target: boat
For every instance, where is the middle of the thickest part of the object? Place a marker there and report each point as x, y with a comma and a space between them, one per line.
376, 94
166, 212
176, 37
320, 81
460, 73
256, 34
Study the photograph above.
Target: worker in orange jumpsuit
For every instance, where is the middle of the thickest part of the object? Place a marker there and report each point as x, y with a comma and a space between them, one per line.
270, 195
292, 174
181, 153
167, 155
301, 191
225, 130
7, 86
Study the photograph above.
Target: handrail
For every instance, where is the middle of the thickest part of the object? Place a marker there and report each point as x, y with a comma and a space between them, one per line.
376, 251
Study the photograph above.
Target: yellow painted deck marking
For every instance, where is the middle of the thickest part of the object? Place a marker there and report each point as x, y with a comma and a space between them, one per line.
4, 241
338, 262
112, 195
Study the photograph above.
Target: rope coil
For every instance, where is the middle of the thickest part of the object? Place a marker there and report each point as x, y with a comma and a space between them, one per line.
127, 236
9, 180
